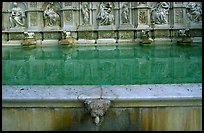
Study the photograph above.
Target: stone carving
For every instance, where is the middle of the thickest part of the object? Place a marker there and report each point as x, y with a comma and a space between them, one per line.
126, 35
69, 16
146, 39
184, 36
67, 38
17, 17
125, 13
50, 16
29, 39
143, 17
159, 13
85, 13
105, 16
194, 12
97, 108
33, 18
179, 16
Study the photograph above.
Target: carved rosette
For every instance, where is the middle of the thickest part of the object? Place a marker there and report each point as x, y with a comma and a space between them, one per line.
97, 108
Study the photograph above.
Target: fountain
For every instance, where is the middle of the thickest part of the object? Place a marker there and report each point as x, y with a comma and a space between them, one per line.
107, 80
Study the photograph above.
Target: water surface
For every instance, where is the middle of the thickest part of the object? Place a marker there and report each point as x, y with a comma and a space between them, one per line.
101, 65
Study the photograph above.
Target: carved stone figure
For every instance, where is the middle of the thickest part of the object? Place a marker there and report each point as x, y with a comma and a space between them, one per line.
194, 12
85, 13
50, 15
159, 13
125, 12
105, 15
17, 17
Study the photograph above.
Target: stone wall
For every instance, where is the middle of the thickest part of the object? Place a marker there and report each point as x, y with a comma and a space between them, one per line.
116, 119
100, 22
158, 107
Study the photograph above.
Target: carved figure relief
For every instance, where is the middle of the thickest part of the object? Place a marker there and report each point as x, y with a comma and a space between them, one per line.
85, 13
50, 16
159, 13
105, 15
125, 13
194, 12
17, 17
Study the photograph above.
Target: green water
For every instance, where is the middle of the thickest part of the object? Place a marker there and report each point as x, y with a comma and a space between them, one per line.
101, 65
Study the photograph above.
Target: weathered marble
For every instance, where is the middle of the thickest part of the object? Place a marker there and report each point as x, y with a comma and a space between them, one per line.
163, 18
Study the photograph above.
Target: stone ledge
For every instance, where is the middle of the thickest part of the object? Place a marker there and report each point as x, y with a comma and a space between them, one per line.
121, 95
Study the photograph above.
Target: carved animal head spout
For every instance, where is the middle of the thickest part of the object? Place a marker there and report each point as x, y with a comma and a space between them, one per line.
145, 37
97, 108
67, 38
29, 35
184, 36
29, 39
66, 34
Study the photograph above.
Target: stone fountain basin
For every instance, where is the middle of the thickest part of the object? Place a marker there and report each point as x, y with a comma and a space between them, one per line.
120, 95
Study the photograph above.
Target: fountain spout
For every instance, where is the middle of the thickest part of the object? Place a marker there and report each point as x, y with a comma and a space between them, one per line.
67, 39
184, 36
146, 39
97, 108
29, 39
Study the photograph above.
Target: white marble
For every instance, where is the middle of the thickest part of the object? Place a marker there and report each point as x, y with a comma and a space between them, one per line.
150, 92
